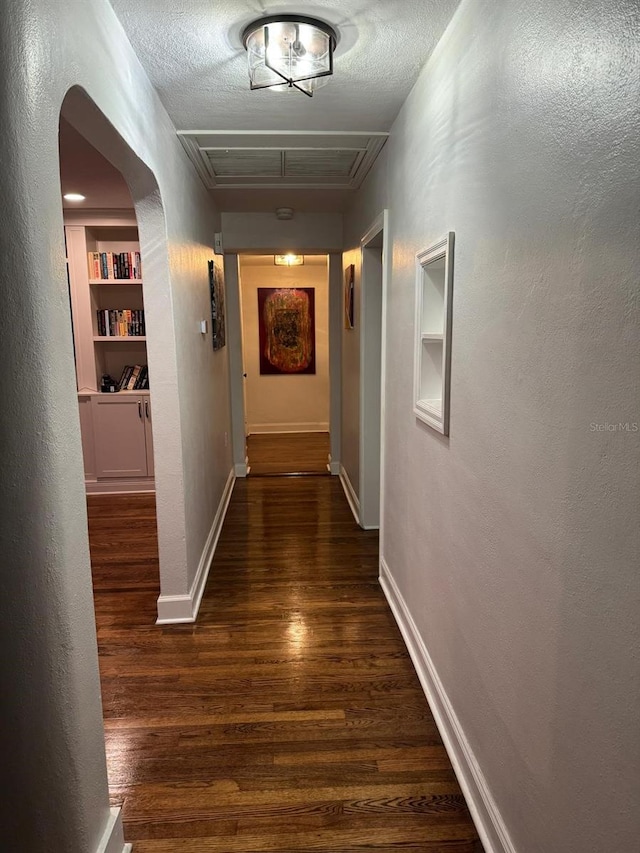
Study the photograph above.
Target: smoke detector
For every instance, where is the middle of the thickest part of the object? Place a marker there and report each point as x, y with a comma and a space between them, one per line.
284, 213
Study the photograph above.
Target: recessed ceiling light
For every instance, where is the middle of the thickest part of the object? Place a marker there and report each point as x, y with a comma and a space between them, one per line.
74, 197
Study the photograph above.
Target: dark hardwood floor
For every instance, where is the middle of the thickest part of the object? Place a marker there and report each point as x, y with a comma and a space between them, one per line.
288, 453
289, 718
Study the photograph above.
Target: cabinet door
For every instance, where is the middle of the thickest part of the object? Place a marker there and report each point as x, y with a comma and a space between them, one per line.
148, 436
119, 432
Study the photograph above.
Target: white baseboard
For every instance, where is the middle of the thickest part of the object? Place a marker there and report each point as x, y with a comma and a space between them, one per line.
254, 429
120, 487
350, 494
175, 609
241, 468
482, 806
334, 467
112, 840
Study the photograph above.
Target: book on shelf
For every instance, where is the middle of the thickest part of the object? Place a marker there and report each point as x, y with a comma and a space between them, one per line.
115, 266
143, 379
121, 323
125, 376
134, 377
135, 373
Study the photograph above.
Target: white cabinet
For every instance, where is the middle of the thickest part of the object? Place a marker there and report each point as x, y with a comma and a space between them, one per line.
120, 435
117, 441
432, 360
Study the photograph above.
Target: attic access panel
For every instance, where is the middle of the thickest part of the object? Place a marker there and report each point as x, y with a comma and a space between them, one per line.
310, 159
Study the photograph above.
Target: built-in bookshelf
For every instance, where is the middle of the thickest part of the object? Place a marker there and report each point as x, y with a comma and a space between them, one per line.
108, 314
109, 331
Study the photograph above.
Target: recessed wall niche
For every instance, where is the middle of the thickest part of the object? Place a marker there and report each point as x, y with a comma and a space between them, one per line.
432, 361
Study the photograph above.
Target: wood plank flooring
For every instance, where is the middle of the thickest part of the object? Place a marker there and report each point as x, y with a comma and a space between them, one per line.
288, 453
289, 719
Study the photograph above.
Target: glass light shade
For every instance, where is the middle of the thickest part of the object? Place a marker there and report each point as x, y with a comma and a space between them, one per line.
288, 260
289, 51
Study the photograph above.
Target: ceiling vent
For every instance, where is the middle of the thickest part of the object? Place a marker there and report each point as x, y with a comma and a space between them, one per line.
305, 159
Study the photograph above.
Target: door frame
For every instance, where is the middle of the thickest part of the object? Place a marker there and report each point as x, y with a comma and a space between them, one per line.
372, 441
236, 351
233, 309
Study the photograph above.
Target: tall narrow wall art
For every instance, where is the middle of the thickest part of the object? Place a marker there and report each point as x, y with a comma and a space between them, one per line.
349, 281
216, 288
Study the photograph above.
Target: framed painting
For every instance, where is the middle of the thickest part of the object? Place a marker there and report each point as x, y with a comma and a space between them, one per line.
349, 280
286, 328
216, 288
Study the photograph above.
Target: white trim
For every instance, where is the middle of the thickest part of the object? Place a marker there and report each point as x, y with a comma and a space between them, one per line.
336, 313
112, 840
352, 498
334, 466
120, 487
382, 133
379, 225
386, 280
175, 609
482, 806
199, 159
242, 468
434, 411
264, 429
374, 229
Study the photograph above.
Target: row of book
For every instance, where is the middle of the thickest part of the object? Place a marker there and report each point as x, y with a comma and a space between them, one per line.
134, 377
115, 265
124, 323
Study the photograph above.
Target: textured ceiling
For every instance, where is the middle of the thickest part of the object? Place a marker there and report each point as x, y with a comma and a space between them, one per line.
192, 52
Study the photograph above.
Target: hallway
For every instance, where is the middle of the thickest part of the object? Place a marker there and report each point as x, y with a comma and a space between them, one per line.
289, 718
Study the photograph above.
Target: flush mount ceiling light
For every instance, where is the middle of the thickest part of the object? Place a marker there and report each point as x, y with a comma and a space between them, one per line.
288, 260
73, 197
289, 50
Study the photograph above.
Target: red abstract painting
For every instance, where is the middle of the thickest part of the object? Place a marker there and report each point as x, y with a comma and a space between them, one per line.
286, 323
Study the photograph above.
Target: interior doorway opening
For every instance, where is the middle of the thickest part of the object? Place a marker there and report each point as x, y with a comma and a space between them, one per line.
284, 313
105, 273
